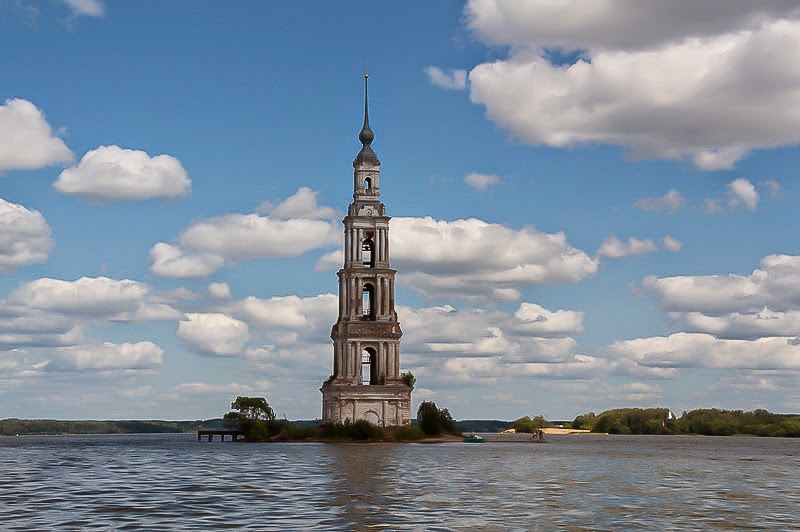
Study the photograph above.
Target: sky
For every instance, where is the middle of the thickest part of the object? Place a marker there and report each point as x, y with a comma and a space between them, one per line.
594, 204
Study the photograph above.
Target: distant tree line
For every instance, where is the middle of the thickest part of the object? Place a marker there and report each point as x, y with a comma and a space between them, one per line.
706, 421
13, 426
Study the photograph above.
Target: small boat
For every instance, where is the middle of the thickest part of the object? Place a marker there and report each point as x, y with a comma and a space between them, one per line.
473, 438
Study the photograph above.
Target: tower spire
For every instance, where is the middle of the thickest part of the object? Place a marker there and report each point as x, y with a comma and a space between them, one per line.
366, 136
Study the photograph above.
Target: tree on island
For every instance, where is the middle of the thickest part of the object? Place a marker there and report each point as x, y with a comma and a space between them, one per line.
254, 417
527, 425
433, 421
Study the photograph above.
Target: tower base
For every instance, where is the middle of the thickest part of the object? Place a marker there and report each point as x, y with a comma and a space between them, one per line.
382, 405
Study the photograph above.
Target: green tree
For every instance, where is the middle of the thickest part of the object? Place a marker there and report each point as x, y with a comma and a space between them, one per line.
254, 417
433, 421
528, 425
408, 379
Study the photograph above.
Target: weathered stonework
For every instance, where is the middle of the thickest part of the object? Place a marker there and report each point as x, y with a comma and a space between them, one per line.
366, 381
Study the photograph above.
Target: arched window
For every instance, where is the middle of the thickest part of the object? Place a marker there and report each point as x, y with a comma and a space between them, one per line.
369, 366
367, 301
367, 254
367, 183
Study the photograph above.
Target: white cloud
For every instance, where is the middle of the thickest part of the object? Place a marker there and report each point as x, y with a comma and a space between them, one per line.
26, 140
537, 320
670, 244
98, 297
776, 286
202, 388
91, 8
24, 236
219, 290
476, 259
531, 334
214, 333
250, 236
614, 248
86, 296
614, 24
212, 243
744, 325
454, 79
114, 173
302, 205
330, 261
711, 97
742, 192
288, 312
23, 327
686, 350
669, 203
106, 357
171, 261
481, 181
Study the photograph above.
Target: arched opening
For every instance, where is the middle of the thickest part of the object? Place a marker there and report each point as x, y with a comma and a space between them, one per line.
367, 183
368, 301
367, 254
369, 366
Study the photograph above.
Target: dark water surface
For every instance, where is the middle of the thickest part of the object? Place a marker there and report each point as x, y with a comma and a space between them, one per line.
580, 482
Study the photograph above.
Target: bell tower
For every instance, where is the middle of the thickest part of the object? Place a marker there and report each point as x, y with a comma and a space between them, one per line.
366, 381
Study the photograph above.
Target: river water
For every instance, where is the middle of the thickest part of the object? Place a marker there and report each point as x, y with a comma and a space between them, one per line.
578, 482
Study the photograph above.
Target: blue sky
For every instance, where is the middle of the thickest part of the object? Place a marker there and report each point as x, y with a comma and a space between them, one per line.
591, 209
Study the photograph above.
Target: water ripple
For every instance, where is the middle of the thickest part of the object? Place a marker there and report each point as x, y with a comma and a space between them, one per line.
171, 482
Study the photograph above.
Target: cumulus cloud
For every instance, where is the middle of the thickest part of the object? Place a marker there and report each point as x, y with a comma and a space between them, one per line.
707, 91
613, 247
110, 173
775, 285
26, 139
288, 312
211, 243
742, 193
764, 305
481, 181
219, 290
453, 79
744, 325
476, 259
670, 244
106, 357
96, 297
214, 333
91, 8
614, 24
303, 204
532, 334
687, 350
171, 261
669, 203
22, 327
233, 388
24, 236
250, 236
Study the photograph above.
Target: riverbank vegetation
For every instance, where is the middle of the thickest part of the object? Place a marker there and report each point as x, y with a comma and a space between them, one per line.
706, 421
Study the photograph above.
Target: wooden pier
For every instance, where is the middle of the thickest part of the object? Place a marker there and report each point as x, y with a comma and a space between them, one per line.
234, 434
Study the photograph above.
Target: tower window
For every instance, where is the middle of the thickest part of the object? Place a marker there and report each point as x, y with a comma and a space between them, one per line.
367, 256
367, 300
369, 367
367, 183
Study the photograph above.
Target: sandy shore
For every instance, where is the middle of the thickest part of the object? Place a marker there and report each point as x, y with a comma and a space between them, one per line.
565, 431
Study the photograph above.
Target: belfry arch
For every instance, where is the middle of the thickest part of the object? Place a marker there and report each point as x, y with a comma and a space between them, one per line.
366, 381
